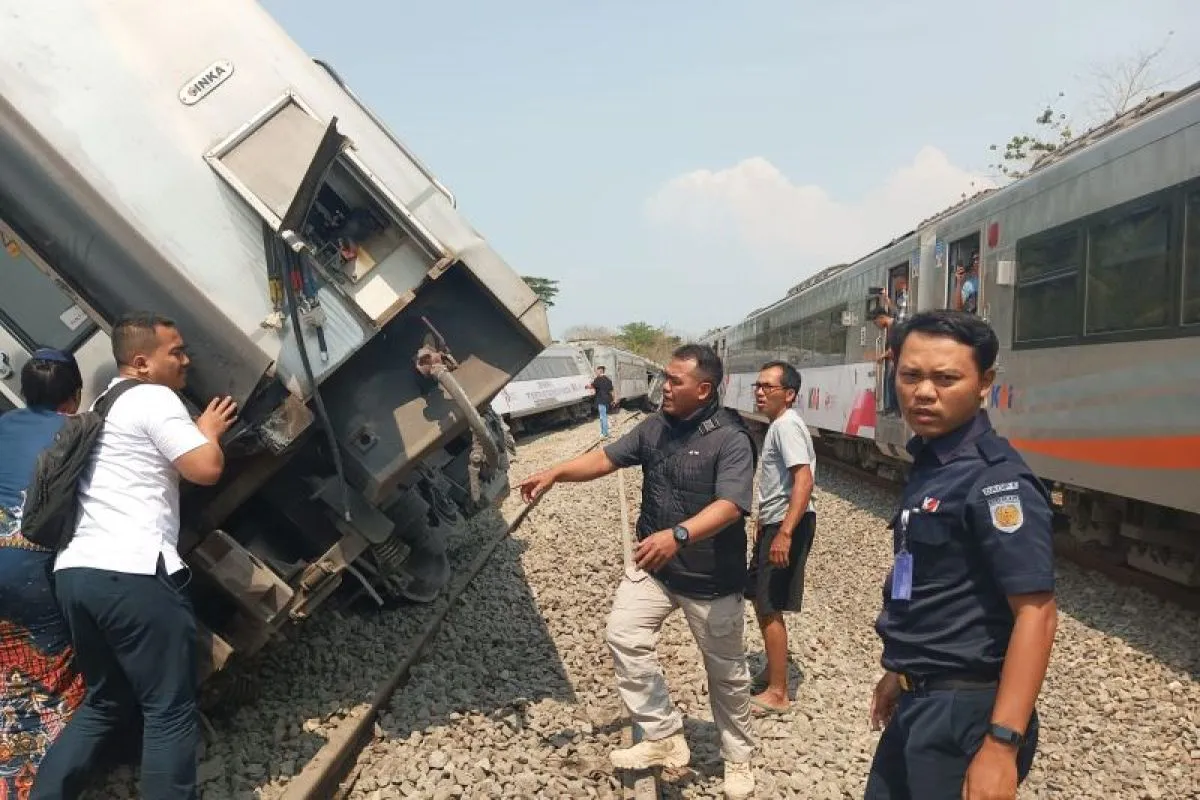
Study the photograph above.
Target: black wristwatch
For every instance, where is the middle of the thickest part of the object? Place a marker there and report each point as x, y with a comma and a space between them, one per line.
682, 536
1006, 735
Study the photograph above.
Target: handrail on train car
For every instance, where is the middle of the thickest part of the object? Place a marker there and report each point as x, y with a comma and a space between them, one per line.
388, 132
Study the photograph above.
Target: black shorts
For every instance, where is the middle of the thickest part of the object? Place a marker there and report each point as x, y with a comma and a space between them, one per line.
776, 589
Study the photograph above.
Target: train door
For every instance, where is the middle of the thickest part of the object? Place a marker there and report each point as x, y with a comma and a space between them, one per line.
897, 300
964, 280
35, 311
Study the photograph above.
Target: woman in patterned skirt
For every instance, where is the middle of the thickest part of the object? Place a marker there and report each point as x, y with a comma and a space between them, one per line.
39, 689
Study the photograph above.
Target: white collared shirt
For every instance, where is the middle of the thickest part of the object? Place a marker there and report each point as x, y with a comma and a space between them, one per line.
129, 494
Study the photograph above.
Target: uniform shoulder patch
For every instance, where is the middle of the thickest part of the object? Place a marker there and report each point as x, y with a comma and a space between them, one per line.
1006, 512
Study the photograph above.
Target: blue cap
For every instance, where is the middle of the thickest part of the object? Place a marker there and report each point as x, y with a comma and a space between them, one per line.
50, 354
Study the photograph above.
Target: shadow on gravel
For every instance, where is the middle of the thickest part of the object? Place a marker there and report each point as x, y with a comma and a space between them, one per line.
1164, 631
493, 656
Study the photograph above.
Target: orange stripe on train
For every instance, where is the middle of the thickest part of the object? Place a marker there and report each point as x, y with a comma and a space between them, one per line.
1139, 452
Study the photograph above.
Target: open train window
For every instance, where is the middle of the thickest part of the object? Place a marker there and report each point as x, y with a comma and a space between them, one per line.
1129, 270
1191, 260
1048, 286
964, 276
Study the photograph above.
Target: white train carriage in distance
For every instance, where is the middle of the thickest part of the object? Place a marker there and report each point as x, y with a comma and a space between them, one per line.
1089, 271
192, 160
553, 388
631, 374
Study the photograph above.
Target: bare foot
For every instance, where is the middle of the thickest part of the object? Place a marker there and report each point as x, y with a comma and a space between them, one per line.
769, 702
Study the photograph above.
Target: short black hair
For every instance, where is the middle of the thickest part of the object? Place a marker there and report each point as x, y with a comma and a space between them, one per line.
49, 383
135, 332
961, 326
877, 312
708, 363
602, 369
789, 376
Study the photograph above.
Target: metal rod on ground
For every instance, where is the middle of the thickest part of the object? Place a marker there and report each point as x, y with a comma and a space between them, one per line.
321, 775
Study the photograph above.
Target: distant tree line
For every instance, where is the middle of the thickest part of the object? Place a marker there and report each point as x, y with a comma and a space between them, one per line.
648, 341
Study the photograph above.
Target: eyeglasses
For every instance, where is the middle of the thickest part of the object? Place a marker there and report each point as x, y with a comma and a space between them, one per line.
765, 388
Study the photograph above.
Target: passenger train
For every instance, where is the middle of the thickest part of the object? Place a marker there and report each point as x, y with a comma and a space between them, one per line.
556, 386
1089, 271
631, 374
553, 388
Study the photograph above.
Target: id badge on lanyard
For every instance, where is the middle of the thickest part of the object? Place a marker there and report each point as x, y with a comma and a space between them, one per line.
902, 570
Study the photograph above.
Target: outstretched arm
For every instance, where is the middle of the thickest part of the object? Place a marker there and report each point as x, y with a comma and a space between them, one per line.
587, 467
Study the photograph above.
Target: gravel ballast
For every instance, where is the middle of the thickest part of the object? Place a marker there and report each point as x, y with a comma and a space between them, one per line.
515, 697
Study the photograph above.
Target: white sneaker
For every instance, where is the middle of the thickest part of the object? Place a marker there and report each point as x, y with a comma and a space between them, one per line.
669, 752
739, 780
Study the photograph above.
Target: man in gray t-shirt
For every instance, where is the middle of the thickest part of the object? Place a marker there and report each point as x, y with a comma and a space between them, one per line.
786, 523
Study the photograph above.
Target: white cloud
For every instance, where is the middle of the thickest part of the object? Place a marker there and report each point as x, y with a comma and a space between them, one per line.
793, 229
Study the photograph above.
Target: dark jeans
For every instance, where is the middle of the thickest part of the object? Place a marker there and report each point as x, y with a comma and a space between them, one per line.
924, 751
135, 643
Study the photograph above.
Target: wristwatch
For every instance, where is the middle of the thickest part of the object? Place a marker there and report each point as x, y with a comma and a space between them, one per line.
1006, 735
682, 536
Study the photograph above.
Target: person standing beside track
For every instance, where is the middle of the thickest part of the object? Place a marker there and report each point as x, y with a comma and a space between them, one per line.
968, 615
602, 387
697, 461
787, 522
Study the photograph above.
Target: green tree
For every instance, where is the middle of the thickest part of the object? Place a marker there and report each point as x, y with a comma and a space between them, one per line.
545, 288
639, 336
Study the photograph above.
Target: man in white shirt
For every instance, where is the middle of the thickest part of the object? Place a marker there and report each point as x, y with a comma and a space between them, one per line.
120, 579
787, 521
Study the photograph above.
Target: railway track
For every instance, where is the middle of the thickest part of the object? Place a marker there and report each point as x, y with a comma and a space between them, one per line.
332, 772
1092, 560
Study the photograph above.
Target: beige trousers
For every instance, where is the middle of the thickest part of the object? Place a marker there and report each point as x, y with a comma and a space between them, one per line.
638, 613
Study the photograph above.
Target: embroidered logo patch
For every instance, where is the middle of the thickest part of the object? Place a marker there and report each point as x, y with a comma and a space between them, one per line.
930, 505
988, 491
1006, 511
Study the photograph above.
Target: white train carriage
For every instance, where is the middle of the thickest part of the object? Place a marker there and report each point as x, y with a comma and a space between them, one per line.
553, 388
630, 373
1089, 271
189, 159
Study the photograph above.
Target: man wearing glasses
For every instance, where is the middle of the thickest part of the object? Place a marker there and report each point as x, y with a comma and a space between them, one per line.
787, 521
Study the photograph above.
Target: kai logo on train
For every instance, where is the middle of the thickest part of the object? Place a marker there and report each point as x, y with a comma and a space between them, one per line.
1006, 512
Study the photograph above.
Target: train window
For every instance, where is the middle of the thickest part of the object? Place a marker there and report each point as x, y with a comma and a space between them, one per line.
32, 306
1191, 261
965, 283
1129, 271
1047, 287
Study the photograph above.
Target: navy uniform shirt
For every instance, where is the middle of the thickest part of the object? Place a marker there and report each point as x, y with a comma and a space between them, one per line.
978, 531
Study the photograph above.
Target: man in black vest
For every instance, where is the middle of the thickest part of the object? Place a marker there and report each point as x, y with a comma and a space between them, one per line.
698, 475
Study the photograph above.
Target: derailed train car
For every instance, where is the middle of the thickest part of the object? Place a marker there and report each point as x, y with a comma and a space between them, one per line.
553, 388
631, 374
192, 160
1089, 271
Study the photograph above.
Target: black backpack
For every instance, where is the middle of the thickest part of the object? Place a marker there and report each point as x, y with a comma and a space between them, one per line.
52, 499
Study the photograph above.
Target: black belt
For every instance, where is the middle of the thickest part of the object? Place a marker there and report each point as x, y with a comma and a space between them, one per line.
932, 683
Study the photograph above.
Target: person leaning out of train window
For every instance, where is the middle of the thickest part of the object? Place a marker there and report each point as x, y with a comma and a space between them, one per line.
42, 688
968, 615
966, 286
885, 358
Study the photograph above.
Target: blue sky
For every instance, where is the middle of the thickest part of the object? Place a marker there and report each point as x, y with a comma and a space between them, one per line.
683, 164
